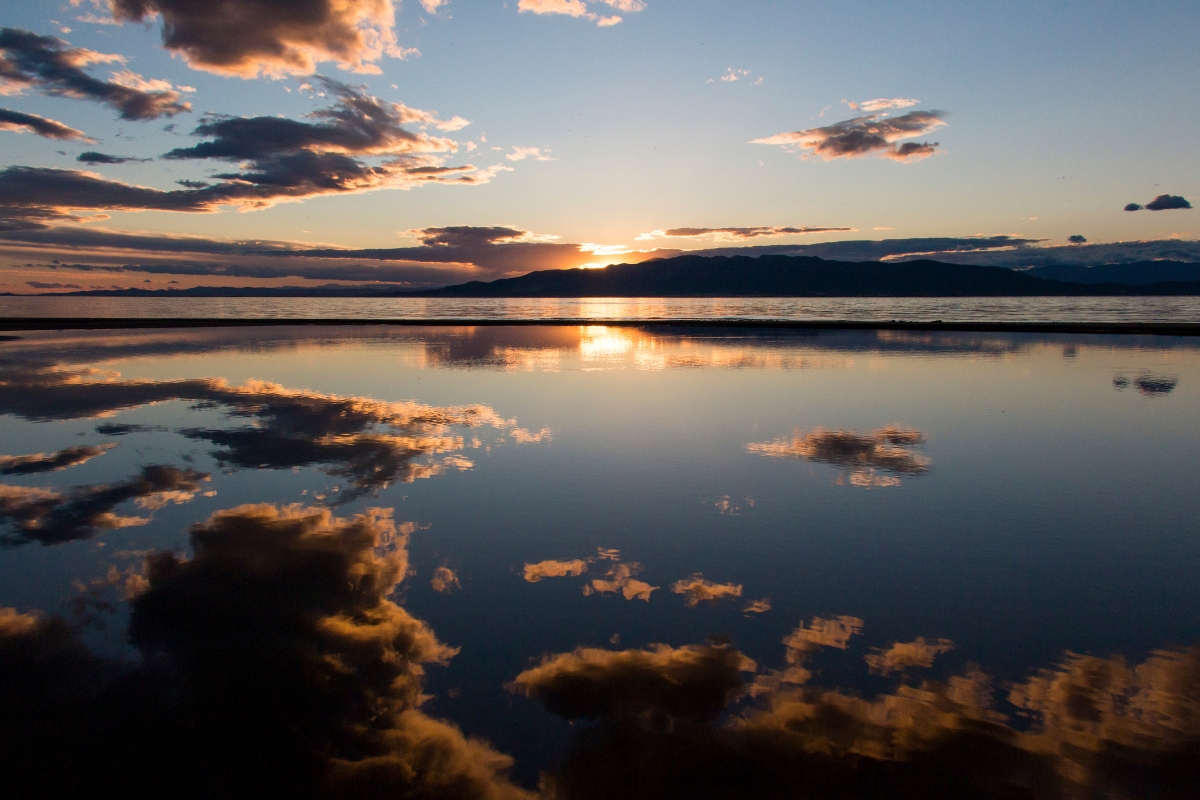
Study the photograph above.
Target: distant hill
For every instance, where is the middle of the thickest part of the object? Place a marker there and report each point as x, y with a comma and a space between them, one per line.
791, 276
1139, 273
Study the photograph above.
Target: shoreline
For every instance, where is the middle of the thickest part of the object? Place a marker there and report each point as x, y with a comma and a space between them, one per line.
127, 323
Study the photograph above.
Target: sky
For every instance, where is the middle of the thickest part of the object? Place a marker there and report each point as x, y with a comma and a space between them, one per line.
165, 143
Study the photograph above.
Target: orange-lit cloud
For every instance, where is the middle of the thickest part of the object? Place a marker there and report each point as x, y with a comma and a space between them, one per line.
272, 37
902, 655
620, 580
554, 569
697, 590
580, 9
52, 462
445, 580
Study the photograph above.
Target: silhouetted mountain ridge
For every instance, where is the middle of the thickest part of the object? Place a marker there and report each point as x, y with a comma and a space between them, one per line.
792, 276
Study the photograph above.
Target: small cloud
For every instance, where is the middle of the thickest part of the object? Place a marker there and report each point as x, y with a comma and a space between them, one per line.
758, 606
883, 228
1166, 202
734, 234
522, 153
554, 569
21, 122
698, 590
872, 133
580, 9
445, 580
1077, 239
732, 75
92, 157
881, 104
1134, 207
903, 655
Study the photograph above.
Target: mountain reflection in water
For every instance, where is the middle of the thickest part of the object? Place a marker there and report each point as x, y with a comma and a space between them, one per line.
786, 635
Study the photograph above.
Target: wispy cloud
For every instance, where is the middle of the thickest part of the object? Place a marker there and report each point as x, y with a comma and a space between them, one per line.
580, 9
881, 104
522, 153
872, 133
734, 234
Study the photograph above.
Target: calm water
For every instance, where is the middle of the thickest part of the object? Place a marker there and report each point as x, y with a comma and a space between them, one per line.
615, 562
917, 309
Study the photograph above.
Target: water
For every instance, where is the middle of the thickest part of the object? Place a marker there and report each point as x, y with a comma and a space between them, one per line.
772, 563
916, 309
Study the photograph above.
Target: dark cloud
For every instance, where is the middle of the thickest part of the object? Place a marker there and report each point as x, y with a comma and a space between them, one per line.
54, 67
589, 683
872, 133
735, 234
273, 663
277, 159
193, 184
1165, 202
861, 456
50, 516
273, 37
92, 157
1077, 239
369, 443
124, 428
878, 249
51, 462
1134, 207
1092, 727
1148, 385
45, 285
49, 128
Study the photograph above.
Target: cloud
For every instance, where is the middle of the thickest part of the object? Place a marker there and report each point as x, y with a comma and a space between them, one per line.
872, 133
123, 429
272, 37
620, 580
52, 66
733, 75
445, 580
882, 104
46, 285
432, 6
1148, 385
277, 159
52, 517
734, 234
92, 157
580, 9
272, 660
1166, 202
1089, 726
902, 655
522, 153
554, 569
697, 590
888, 449
1077, 239
32, 123
758, 606
1134, 207
369, 443
52, 462
689, 682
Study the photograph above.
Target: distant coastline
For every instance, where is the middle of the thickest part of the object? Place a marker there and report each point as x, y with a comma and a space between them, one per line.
761, 276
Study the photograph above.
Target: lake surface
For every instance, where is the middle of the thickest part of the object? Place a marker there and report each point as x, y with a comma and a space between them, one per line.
874, 309
594, 561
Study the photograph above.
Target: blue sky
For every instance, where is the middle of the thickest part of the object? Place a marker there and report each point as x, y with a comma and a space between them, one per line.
1055, 117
